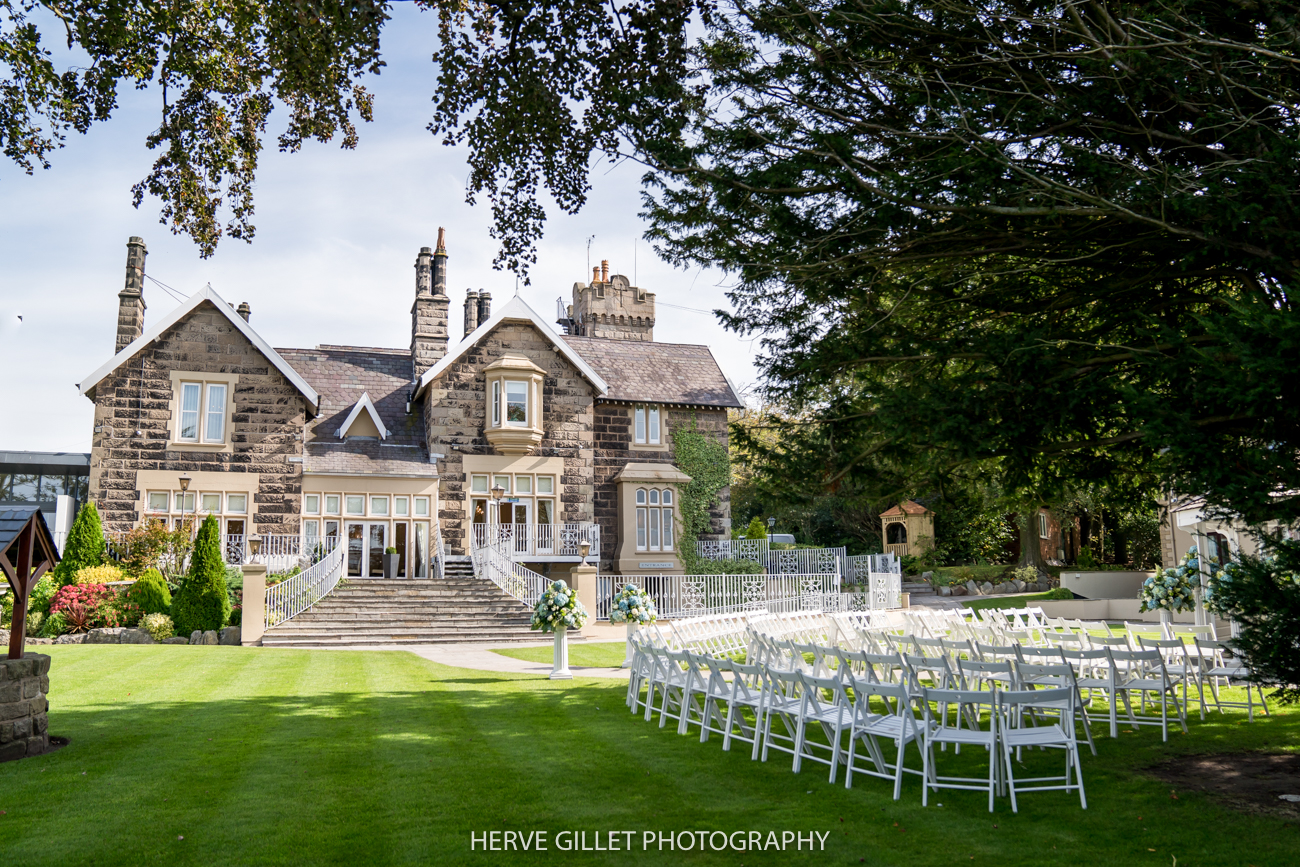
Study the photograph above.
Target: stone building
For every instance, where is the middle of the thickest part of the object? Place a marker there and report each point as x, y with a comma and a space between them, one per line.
519, 431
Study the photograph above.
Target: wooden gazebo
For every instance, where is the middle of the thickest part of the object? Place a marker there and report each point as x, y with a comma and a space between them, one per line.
27, 551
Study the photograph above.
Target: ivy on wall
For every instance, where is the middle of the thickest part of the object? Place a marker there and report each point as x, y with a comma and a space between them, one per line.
706, 461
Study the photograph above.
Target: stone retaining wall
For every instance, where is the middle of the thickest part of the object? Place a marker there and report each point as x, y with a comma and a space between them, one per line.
24, 726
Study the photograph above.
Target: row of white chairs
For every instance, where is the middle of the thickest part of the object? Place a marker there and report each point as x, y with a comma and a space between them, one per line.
773, 708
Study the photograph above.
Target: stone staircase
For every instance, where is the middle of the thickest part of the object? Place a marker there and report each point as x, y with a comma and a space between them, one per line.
366, 612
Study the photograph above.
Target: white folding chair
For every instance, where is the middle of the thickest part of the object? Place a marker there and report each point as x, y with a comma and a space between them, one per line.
677, 676
1014, 707
1144, 672
1229, 669
825, 703
747, 691
1094, 671
898, 723
938, 731
1056, 675
782, 700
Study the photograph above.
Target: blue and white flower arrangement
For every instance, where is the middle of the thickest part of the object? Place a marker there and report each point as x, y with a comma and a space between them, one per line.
559, 606
632, 605
1173, 589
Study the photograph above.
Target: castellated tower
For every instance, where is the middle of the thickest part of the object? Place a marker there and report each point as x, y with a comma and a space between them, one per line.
610, 307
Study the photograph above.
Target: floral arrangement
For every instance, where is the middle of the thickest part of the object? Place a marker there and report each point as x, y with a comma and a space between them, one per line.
1173, 589
559, 606
159, 626
632, 605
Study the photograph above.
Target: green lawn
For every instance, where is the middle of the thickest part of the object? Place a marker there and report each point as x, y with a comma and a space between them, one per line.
1004, 601
605, 654
214, 755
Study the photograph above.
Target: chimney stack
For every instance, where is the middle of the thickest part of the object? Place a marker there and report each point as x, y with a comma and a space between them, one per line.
429, 311
595, 274
130, 301
604, 270
484, 306
471, 311
244, 310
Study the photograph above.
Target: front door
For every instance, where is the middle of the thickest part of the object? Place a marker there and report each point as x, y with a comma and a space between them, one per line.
366, 543
516, 514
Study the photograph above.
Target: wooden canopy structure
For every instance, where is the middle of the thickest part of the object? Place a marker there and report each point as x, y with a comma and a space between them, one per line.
27, 551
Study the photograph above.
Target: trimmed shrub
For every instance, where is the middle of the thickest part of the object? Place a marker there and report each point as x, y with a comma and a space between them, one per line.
54, 626
203, 602
84, 547
159, 626
150, 593
1059, 593
103, 574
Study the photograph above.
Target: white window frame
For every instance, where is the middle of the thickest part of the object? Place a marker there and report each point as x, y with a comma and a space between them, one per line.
1044, 531
347, 505
505, 402
496, 403
203, 496
401, 507
546, 484
421, 507
149, 502
337, 508
647, 427
379, 506
474, 484
311, 504
205, 413
230, 504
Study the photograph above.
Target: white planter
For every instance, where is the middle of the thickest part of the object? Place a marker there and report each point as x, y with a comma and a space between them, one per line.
560, 665
627, 657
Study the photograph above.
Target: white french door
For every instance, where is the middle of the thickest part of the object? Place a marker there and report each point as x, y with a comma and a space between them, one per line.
366, 543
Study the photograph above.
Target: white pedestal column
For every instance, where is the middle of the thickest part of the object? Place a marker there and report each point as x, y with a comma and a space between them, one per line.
560, 664
627, 657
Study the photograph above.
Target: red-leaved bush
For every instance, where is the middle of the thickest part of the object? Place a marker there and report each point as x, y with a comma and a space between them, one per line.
88, 596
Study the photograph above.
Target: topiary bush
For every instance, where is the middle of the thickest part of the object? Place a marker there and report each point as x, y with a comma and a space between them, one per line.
203, 603
84, 546
150, 593
105, 573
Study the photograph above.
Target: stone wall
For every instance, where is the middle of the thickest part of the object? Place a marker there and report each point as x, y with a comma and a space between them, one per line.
614, 449
24, 726
455, 413
265, 426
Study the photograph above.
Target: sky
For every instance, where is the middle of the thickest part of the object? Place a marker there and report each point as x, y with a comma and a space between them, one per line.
333, 258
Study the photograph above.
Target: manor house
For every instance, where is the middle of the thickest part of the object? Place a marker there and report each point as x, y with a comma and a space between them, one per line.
548, 434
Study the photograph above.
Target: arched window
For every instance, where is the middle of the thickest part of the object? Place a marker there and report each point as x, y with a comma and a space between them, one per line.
1218, 548
654, 520
896, 534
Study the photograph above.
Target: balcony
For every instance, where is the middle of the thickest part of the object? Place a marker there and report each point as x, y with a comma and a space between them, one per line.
540, 543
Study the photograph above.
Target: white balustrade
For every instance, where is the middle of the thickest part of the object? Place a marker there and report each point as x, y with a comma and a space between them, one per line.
678, 596
538, 540
798, 561
733, 549
494, 563
296, 594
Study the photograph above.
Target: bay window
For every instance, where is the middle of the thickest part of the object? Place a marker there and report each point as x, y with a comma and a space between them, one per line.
654, 519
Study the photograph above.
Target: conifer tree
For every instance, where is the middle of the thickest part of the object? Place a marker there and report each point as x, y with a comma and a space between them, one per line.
85, 545
202, 602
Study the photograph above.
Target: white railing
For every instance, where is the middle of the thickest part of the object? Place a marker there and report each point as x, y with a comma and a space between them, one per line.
279, 551
539, 540
439, 552
494, 563
733, 549
878, 576
800, 561
295, 595
679, 596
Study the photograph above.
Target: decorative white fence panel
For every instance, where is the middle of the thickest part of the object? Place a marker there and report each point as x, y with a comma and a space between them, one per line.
538, 540
733, 549
279, 552
799, 561
494, 563
878, 576
679, 596
295, 595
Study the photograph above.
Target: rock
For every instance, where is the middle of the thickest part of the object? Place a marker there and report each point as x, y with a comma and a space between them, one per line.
71, 639
1002, 587
958, 590
136, 636
1019, 585
986, 589
196, 637
177, 639
945, 591
111, 635
927, 576
31, 640
230, 636
972, 588
209, 638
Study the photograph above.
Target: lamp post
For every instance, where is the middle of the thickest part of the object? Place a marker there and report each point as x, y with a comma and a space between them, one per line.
584, 548
254, 547
185, 487
497, 493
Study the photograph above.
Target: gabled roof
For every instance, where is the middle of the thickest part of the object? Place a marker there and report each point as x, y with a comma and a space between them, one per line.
363, 404
87, 385
514, 310
13, 519
668, 373
907, 507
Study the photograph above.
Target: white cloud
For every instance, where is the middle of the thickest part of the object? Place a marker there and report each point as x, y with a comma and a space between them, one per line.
338, 232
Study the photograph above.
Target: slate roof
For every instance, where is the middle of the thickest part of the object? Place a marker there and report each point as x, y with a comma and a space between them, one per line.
635, 370
341, 374
12, 521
